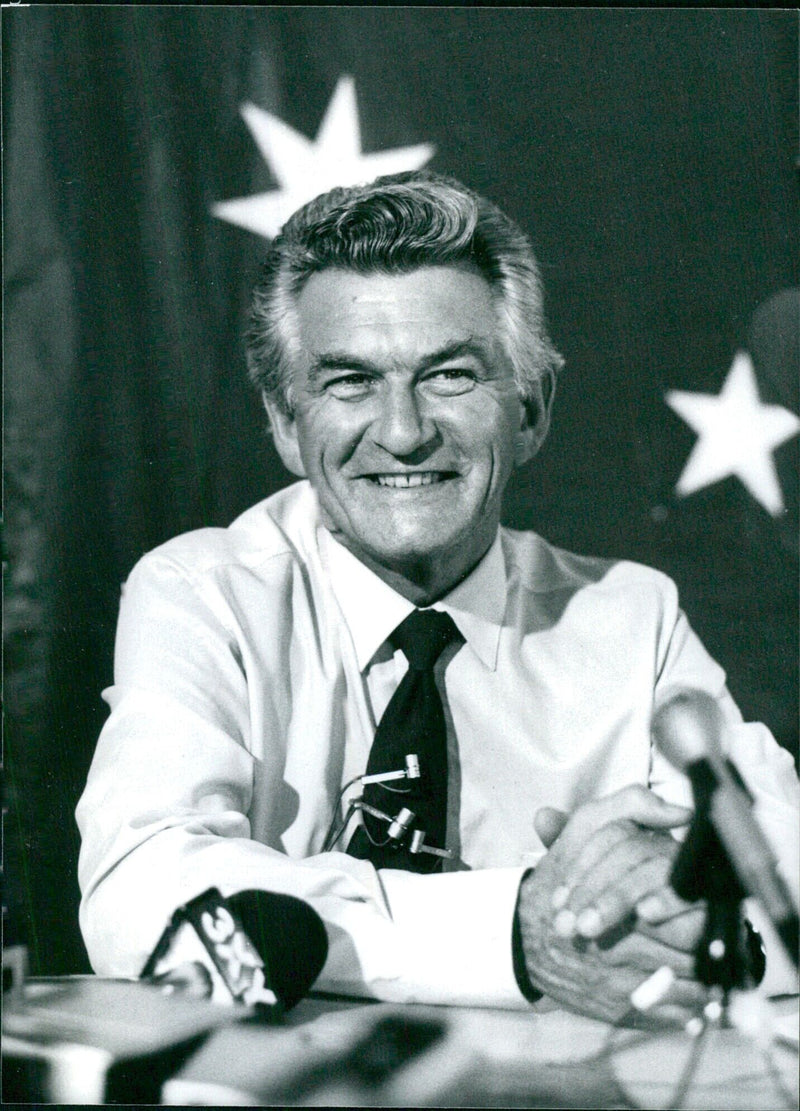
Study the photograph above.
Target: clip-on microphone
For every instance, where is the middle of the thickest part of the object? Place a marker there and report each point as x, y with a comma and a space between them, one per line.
399, 825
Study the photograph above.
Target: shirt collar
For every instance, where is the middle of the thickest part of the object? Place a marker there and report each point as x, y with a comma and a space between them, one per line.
372, 609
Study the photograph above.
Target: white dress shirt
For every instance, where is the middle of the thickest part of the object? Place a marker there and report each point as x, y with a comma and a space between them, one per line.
251, 668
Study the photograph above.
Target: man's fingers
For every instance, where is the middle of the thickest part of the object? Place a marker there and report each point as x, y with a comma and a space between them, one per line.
658, 906
596, 977
634, 861
643, 807
612, 895
622, 864
634, 803
683, 931
548, 823
644, 954
668, 1000
596, 829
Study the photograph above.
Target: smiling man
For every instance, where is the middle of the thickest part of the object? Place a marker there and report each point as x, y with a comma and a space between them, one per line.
406, 420
369, 694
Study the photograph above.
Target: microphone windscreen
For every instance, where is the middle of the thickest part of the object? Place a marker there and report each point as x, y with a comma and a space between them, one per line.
687, 729
288, 935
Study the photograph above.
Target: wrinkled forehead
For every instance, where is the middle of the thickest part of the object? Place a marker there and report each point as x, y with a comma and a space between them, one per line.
408, 311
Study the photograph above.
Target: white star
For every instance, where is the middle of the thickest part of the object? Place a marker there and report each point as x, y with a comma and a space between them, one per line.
307, 167
737, 435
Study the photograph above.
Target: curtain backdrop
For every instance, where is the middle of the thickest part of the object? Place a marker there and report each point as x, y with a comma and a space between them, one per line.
652, 157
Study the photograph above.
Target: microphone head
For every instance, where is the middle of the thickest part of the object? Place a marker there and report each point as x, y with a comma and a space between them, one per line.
687, 729
290, 939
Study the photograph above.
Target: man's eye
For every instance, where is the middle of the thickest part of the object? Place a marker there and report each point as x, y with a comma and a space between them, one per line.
349, 386
451, 381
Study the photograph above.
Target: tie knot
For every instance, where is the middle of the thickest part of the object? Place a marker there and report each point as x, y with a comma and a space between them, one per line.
423, 636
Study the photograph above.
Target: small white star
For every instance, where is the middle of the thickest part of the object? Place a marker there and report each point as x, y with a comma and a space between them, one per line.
307, 167
737, 435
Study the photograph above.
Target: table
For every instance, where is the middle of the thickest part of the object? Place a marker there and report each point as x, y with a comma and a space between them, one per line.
83, 1039
336, 1052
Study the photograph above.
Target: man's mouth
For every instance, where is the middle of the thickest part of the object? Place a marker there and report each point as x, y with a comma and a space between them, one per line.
406, 481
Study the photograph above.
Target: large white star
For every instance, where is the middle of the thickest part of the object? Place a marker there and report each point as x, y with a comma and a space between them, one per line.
307, 167
737, 435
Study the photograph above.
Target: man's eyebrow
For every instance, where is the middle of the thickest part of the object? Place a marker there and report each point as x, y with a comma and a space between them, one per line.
339, 360
343, 360
457, 350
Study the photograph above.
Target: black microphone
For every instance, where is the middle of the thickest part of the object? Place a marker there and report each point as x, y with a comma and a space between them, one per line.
687, 731
290, 937
256, 948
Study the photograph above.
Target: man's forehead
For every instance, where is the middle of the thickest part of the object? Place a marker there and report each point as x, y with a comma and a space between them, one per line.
427, 295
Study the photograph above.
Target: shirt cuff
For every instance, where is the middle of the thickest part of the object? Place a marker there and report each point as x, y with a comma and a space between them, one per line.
532, 994
455, 933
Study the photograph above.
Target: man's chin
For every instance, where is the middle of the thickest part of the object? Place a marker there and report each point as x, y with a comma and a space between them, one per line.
418, 537
401, 557
420, 559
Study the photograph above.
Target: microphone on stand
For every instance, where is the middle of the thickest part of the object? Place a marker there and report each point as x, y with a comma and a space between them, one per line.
256, 948
687, 732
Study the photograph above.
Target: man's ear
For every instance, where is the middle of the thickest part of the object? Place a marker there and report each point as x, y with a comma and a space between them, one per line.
526, 441
534, 422
284, 433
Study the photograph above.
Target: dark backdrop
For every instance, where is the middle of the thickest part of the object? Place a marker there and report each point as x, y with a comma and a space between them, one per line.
650, 154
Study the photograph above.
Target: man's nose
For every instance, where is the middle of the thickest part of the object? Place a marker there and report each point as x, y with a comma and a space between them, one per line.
403, 425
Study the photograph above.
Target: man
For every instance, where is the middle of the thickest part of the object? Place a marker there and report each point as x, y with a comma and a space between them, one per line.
398, 339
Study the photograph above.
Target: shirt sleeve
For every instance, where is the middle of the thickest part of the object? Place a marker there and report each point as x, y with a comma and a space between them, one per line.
165, 815
767, 769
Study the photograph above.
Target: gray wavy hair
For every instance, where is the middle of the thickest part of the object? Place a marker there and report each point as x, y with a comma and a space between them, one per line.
397, 224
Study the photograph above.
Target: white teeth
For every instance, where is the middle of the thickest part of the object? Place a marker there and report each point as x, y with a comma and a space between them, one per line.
405, 480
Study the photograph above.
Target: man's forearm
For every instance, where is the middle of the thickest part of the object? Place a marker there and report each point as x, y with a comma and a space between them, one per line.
392, 935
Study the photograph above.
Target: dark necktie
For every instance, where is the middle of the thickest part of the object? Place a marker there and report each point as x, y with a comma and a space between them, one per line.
413, 724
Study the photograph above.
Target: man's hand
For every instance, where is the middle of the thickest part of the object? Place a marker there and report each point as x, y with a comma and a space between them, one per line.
586, 944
